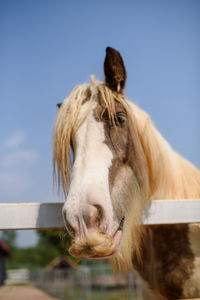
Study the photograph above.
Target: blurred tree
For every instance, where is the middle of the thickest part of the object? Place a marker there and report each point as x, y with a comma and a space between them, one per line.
37, 257
51, 244
60, 239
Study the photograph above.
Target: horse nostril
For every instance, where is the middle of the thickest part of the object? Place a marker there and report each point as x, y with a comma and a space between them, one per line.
99, 215
93, 215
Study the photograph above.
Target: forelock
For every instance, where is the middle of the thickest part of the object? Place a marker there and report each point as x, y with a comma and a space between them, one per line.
69, 119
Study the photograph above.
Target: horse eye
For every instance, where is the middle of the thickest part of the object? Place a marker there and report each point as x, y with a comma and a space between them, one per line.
120, 119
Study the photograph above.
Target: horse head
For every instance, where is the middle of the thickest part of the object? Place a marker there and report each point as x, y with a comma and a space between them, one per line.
108, 176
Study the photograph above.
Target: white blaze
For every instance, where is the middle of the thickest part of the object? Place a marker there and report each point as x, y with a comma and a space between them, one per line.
89, 180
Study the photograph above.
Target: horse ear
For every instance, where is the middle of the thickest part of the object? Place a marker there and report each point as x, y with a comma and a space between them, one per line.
114, 70
59, 105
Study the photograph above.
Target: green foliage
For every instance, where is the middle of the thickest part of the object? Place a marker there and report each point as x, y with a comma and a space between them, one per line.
60, 239
34, 257
51, 244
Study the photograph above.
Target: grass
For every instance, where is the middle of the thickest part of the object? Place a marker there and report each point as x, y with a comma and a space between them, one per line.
79, 294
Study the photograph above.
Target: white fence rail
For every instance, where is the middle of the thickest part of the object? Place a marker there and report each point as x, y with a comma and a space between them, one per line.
49, 215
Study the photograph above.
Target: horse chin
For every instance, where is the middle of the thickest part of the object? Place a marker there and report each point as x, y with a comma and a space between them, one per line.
116, 244
96, 245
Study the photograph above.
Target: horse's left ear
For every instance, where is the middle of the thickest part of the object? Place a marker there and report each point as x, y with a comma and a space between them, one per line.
114, 70
59, 105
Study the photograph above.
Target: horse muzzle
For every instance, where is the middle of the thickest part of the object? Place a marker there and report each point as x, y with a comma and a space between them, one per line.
95, 233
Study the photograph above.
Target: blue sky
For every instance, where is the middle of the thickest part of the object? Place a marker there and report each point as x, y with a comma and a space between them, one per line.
48, 47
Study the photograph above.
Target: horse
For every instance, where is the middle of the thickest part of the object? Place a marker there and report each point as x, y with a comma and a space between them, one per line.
120, 163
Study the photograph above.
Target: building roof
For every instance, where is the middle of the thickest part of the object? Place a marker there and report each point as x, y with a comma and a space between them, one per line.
61, 262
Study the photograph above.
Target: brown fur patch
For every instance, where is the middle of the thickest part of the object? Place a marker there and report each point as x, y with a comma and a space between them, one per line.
167, 260
124, 142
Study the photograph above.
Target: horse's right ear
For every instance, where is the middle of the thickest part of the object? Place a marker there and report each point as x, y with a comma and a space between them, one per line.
114, 70
59, 105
